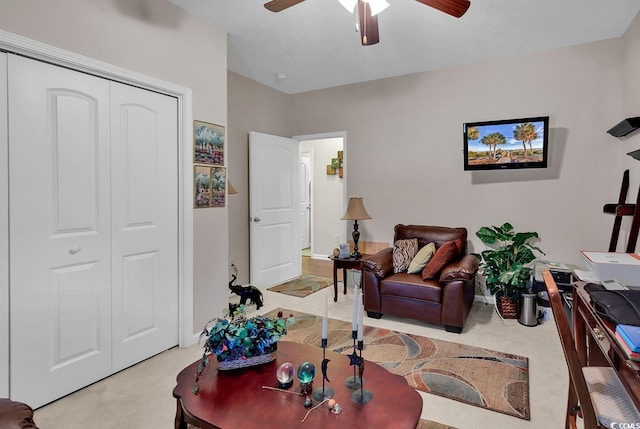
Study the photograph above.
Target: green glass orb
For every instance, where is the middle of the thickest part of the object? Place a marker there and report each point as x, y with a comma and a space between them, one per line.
306, 372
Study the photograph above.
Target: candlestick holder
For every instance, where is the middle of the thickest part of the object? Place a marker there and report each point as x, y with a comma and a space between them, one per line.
322, 393
354, 381
361, 396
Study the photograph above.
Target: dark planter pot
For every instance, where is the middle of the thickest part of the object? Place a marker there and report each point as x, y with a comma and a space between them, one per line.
508, 309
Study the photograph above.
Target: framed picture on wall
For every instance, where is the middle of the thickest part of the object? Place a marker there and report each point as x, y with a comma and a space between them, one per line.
218, 186
201, 186
208, 143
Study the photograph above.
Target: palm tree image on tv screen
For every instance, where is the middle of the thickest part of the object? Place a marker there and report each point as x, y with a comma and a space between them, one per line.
515, 143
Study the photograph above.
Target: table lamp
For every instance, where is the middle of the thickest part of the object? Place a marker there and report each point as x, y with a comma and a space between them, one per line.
355, 212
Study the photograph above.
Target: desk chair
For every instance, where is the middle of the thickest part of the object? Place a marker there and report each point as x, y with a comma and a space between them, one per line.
595, 393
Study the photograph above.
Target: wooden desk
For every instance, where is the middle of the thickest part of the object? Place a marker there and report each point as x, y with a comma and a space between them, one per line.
236, 399
344, 263
596, 343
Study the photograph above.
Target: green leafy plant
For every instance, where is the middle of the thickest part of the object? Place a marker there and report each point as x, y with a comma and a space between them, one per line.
236, 337
508, 266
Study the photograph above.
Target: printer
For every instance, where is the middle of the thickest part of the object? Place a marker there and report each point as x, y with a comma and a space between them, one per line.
562, 274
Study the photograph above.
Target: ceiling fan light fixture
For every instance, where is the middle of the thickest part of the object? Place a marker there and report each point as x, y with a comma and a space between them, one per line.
350, 5
377, 6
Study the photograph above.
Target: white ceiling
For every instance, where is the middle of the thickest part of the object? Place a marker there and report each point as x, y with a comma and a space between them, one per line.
314, 44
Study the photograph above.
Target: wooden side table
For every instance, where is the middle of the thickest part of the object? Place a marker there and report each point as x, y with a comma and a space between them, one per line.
344, 263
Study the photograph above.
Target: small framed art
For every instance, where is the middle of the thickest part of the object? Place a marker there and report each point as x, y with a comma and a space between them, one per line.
208, 143
201, 186
218, 186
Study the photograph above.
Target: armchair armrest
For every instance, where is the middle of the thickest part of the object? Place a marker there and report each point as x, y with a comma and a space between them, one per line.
463, 269
381, 263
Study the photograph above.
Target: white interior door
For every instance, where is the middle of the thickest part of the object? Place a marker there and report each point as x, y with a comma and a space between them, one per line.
305, 201
4, 233
60, 259
144, 223
274, 209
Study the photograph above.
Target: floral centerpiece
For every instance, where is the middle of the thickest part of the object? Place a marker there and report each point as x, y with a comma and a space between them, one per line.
240, 341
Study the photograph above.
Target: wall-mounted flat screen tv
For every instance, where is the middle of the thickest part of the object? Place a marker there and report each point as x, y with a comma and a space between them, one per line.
506, 144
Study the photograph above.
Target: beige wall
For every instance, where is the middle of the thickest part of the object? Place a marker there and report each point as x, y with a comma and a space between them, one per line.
631, 88
405, 144
158, 39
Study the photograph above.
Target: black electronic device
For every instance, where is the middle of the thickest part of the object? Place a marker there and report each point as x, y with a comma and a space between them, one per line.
506, 144
625, 127
561, 276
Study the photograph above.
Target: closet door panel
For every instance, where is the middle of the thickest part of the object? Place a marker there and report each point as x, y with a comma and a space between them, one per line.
4, 233
144, 220
76, 327
60, 260
75, 150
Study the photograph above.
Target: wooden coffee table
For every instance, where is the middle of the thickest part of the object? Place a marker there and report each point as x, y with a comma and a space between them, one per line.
236, 399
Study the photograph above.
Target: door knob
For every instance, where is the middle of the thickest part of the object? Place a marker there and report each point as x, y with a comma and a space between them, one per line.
256, 219
74, 249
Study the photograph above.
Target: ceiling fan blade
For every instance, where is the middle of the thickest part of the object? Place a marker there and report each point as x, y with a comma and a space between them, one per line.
368, 24
455, 8
280, 5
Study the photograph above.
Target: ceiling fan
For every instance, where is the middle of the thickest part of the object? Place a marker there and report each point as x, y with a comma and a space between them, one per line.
368, 21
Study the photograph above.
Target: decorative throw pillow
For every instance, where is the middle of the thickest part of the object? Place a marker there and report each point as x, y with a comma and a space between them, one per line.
403, 252
443, 256
423, 256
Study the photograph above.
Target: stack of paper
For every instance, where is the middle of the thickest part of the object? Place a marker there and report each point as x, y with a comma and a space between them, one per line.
629, 338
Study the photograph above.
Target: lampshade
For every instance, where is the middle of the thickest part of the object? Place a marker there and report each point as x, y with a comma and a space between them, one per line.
230, 188
350, 5
377, 6
355, 210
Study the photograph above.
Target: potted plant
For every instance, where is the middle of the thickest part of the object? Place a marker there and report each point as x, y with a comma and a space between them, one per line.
239, 341
508, 266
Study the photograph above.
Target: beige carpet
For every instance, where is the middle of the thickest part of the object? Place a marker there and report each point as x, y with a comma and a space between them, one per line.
477, 376
303, 286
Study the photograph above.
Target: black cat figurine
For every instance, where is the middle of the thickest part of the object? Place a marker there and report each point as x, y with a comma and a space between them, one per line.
245, 293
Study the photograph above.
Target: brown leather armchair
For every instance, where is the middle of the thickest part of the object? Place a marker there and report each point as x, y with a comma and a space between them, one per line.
15, 415
445, 299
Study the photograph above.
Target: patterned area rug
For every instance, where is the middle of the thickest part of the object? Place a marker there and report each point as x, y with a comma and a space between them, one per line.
302, 286
427, 424
484, 378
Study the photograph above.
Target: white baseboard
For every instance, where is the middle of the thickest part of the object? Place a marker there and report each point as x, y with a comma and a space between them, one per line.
485, 299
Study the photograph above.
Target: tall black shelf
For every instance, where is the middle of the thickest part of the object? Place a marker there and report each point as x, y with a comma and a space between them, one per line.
621, 209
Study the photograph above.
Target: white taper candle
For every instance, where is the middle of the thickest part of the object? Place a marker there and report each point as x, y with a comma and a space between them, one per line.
325, 319
360, 317
354, 324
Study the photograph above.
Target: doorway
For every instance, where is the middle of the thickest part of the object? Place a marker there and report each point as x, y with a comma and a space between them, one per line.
325, 192
306, 173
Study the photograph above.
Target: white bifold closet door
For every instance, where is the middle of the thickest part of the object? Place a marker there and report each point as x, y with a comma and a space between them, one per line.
93, 228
